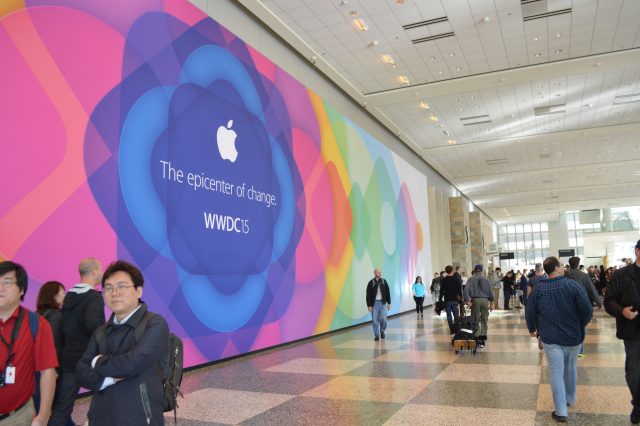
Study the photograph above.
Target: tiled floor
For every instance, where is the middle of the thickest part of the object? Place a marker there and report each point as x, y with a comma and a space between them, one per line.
411, 378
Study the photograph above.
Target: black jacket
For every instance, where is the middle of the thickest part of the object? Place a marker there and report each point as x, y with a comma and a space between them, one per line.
450, 289
586, 283
138, 399
622, 292
54, 317
372, 291
82, 314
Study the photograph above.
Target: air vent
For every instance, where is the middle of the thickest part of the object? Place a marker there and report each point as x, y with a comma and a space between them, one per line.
475, 120
550, 109
626, 99
429, 30
545, 156
424, 23
496, 161
546, 15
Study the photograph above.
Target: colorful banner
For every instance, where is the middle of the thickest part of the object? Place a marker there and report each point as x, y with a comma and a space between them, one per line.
144, 130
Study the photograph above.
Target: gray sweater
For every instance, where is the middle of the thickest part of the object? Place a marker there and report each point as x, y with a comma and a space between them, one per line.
478, 286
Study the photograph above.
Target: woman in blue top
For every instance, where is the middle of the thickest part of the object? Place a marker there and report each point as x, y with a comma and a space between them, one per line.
418, 295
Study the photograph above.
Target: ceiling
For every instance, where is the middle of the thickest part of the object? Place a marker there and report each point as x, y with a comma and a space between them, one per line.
528, 107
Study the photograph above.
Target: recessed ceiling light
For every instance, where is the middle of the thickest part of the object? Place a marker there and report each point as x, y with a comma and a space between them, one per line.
403, 80
588, 105
452, 54
433, 118
472, 97
536, 39
344, 2
374, 43
459, 69
439, 72
424, 105
538, 54
451, 142
558, 35
558, 51
388, 59
477, 106
461, 109
361, 24
432, 58
598, 64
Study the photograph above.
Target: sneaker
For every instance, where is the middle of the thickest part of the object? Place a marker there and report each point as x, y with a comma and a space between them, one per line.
581, 355
377, 338
635, 416
382, 334
559, 419
481, 345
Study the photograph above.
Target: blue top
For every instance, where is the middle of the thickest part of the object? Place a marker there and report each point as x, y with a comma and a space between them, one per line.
418, 289
559, 310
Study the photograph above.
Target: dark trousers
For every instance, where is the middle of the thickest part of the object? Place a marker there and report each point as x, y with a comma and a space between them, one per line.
66, 392
507, 297
419, 302
631, 370
452, 314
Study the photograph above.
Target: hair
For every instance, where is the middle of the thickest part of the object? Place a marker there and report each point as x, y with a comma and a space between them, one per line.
448, 269
418, 278
539, 267
574, 262
21, 275
498, 269
457, 268
550, 264
123, 266
47, 295
87, 265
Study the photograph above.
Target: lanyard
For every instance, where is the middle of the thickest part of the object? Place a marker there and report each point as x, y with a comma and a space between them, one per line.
14, 337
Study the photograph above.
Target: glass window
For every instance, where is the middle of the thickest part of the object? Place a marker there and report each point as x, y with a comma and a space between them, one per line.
527, 227
544, 226
511, 229
519, 229
535, 227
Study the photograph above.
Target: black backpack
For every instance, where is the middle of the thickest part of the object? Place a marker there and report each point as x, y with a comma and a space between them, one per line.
172, 374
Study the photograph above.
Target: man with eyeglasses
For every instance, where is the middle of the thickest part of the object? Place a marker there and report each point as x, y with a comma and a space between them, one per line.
21, 355
121, 366
82, 314
558, 309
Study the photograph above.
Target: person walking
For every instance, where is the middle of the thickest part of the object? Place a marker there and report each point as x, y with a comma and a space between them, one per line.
378, 298
418, 295
478, 292
451, 292
559, 310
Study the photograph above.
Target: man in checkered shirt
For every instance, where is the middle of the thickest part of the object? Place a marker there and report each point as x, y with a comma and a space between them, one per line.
559, 309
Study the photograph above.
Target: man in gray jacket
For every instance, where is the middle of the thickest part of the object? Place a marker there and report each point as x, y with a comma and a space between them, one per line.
479, 293
583, 279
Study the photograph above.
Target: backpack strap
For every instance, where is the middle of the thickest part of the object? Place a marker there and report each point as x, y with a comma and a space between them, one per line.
34, 323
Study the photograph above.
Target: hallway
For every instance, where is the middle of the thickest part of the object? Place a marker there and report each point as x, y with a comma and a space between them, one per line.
412, 377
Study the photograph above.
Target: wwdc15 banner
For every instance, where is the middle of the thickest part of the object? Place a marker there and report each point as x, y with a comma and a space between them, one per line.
146, 131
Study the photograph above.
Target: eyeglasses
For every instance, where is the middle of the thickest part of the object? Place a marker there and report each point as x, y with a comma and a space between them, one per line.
120, 287
7, 282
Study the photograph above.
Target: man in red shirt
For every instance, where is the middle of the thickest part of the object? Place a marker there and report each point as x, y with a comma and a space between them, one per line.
21, 355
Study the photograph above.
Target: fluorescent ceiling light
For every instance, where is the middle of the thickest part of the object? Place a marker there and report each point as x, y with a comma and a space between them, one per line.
388, 59
424, 105
403, 80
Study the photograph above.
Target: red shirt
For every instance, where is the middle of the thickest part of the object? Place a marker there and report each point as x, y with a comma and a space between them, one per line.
29, 357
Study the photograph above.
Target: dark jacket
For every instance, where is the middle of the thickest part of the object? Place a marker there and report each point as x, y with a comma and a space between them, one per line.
586, 283
622, 292
372, 291
138, 399
82, 314
450, 289
54, 317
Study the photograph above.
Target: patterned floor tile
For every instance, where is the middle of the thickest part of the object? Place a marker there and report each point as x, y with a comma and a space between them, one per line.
412, 414
437, 357
594, 376
491, 373
317, 366
591, 399
370, 344
227, 406
401, 370
369, 389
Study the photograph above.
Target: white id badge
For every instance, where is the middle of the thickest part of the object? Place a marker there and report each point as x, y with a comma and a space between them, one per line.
10, 375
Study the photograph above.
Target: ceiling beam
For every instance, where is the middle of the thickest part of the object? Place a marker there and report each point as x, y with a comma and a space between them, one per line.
511, 77
482, 196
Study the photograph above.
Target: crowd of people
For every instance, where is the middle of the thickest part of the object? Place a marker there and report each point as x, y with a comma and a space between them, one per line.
48, 357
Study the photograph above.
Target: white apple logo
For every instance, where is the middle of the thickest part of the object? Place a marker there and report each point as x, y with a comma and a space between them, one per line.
227, 142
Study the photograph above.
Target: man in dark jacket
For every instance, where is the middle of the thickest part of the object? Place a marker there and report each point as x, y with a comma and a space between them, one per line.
507, 289
82, 314
622, 301
378, 295
123, 372
451, 291
585, 282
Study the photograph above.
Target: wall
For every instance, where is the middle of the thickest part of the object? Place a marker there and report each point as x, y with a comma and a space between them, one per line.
255, 208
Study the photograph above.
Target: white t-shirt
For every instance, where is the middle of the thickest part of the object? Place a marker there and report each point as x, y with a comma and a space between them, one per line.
379, 294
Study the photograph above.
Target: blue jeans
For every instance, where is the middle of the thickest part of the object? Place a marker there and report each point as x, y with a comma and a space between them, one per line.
379, 316
563, 374
452, 313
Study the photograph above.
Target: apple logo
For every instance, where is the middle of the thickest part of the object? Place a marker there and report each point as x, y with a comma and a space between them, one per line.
227, 142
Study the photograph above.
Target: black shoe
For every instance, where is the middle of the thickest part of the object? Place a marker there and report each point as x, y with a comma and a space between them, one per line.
382, 334
377, 338
635, 416
559, 419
